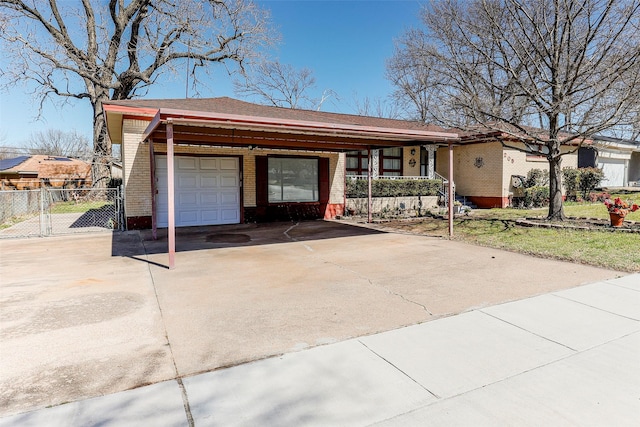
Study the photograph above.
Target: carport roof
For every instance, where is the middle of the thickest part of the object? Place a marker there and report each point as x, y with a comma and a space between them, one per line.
230, 122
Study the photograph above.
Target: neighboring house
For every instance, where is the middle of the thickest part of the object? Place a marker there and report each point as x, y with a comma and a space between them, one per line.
116, 170
485, 171
237, 162
31, 172
619, 159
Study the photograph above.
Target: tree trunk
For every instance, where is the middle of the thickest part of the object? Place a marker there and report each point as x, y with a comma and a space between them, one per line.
556, 211
100, 168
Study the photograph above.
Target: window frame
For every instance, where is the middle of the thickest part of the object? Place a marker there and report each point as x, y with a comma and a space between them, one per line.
388, 171
361, 157
316, 190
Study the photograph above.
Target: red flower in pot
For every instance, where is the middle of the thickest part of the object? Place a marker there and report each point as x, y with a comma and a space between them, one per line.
618, 209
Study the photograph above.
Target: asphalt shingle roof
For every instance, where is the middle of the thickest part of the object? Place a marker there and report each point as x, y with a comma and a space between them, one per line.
226, 105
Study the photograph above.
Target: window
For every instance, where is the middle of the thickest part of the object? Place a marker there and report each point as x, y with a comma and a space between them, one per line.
292, 179
357, 163
391, 162
535, 158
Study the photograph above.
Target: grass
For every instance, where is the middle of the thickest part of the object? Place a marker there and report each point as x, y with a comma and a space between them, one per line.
614, 250
571, 209
496, 228
77, 207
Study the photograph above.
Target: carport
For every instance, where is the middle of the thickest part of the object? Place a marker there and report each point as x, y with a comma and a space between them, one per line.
175, 127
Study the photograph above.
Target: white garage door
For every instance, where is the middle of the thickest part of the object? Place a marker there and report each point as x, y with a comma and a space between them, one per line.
207, 190
614, 172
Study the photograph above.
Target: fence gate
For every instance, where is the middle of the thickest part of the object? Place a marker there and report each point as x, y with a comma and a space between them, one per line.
56, 211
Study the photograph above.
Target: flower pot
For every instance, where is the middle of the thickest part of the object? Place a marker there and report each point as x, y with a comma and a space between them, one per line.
616, 220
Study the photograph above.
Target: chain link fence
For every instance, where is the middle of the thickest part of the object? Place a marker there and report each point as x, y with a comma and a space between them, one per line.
55, 211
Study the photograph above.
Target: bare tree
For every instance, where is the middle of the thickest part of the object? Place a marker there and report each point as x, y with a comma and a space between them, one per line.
375, 107
55, 142
7, 151
116, 49
411, 73
281, 85
548, 72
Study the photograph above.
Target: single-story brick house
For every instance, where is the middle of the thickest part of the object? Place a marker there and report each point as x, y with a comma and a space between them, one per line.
32, 172
237, 162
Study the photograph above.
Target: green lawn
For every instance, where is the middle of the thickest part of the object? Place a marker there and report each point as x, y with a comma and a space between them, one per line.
610, 249
497, 228
77, 207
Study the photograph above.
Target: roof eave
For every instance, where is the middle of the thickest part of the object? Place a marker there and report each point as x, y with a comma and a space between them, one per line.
256, 123
114, 116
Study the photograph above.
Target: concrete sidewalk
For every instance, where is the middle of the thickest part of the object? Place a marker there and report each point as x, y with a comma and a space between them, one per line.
570, 357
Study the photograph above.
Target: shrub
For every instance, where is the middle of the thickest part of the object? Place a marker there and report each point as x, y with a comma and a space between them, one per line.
589, 179
571, 180
392, 187
536, 197
583, 180
537, 178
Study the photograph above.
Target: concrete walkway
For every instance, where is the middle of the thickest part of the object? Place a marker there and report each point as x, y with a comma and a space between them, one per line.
570, 357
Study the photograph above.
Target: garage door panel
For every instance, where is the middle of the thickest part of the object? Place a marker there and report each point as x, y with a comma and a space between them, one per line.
163, 218
211, 215
186, 163
207, 163
207, 190
185, 217
230, 216
161, 199
228, 181
208, 181
187, 181
228, 164
228, 198
161, 163
187, 199
209, 199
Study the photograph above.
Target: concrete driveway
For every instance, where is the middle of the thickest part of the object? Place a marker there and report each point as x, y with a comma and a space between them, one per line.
84, 316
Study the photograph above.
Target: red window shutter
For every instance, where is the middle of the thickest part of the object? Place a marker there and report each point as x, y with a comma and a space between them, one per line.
323, 177
262, 181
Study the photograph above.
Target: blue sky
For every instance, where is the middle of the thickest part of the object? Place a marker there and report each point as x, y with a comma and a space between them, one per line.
345, 43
